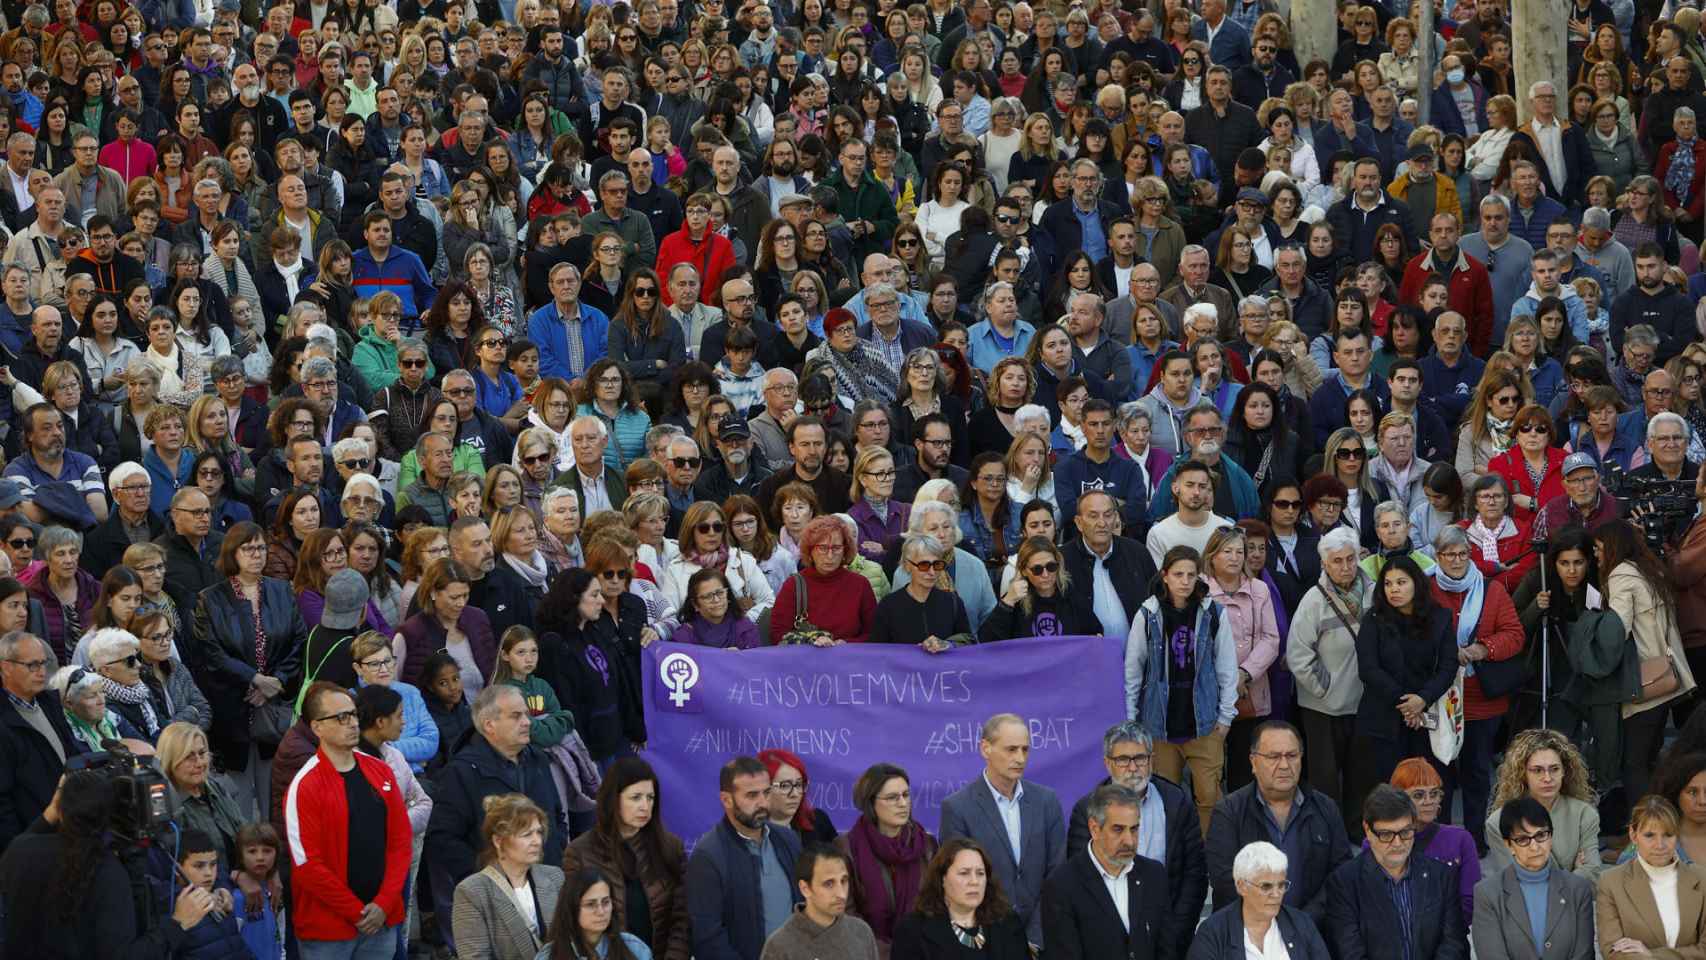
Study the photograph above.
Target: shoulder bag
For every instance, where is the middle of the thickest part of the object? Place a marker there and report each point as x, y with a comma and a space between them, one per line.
804, 631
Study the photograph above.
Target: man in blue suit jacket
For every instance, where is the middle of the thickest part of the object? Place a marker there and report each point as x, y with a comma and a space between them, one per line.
1228, 42
1017, 821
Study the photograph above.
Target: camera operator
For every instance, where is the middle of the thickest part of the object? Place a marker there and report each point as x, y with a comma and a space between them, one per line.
1688, 577
1658, 495
68, 895
1582, 503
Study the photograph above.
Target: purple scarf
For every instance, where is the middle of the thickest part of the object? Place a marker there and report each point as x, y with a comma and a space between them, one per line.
903, 857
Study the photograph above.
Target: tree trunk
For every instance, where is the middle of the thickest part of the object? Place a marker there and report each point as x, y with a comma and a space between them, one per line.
1539, 51
1314, 33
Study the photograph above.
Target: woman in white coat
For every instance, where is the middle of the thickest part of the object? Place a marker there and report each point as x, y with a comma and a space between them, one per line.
707, 541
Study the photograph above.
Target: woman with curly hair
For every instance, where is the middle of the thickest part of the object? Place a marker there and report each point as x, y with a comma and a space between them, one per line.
1011, 385
1545, 765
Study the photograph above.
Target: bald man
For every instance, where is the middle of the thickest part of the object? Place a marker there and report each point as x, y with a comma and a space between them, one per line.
748, 209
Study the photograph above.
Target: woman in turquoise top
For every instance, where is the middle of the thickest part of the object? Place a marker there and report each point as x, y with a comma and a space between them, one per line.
607, 392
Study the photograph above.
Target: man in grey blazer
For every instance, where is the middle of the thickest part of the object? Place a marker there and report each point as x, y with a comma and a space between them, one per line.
1506, 928
1018, 822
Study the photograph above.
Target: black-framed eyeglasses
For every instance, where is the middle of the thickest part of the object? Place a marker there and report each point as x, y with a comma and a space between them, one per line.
686, 463
1525, 840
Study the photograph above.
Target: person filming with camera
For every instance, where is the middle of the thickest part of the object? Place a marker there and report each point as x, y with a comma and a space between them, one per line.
68, 894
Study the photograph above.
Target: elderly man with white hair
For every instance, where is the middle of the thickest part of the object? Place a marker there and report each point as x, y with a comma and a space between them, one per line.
599, 488
1668, 438
781, 405
966, 575
1193, 287
131, 520
1259, 923
1321, 653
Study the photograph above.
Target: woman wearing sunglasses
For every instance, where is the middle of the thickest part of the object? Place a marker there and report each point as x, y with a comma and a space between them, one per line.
707, 544
918, 613
1487, 424
1347, 462
1038, 602
114, 654
1532, 469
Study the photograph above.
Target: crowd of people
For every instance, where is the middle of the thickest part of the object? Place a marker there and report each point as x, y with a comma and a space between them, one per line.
379, 380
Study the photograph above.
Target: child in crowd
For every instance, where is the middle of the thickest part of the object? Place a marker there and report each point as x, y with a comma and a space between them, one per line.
216, 936
441, 685
518, 659
258, 902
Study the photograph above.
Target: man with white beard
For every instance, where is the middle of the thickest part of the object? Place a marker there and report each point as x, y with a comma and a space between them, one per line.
738, 472
1168, 829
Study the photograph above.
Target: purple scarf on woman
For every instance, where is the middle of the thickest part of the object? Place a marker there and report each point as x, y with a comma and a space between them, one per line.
902, 857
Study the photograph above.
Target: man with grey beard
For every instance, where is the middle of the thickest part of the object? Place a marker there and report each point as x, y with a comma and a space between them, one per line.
739, 471
1168, 829
1234, 493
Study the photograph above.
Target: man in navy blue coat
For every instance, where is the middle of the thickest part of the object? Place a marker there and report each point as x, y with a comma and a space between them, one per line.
740, 878
1390, 902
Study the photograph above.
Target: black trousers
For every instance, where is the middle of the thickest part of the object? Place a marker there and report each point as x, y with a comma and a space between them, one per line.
1338, 762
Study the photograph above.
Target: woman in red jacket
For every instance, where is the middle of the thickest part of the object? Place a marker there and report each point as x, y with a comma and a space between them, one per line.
1487, 629
696, 244
1498, 542
1681, 167
838, 600
1532, 468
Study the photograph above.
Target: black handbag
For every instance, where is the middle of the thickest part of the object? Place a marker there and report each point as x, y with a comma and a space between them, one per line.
1501, 677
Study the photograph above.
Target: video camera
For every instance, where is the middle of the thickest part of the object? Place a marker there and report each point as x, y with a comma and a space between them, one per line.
141, 799
1663, 509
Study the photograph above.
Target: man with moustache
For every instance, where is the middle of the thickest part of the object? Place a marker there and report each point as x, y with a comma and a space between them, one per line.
1107, 894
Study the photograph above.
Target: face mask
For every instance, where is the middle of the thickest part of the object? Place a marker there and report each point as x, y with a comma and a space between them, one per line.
1454, 76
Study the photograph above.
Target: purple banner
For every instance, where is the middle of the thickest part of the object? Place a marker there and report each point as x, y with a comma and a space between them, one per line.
845, 708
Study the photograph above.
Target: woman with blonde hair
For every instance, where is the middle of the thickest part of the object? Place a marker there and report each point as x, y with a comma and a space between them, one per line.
1489, 148
1038, 150
1652, 907
1039, 601
880, 518
705, 543
488, 915
1161, 239
1030, 472
1546, 765
1011, 384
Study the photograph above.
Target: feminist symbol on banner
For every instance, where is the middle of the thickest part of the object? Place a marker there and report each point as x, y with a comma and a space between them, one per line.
679, 673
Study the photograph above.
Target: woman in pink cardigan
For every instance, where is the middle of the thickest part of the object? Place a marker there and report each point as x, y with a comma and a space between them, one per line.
1249, 609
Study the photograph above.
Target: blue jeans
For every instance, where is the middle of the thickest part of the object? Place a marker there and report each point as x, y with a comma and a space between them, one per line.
378, 946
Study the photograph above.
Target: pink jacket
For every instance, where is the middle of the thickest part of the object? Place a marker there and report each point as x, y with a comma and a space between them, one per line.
1255, 630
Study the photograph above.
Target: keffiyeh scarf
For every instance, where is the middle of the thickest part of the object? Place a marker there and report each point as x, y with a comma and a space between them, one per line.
135, 695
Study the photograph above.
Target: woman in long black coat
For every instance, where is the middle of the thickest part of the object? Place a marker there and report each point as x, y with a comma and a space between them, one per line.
232, 657
1407, 659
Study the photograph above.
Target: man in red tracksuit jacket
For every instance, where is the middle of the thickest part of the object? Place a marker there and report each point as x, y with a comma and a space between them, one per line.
349, 840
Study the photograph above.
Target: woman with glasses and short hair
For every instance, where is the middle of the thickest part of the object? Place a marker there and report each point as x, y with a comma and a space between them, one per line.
249, 632
1260, 915
917, 612
1486, 631
1499, 541
376, 664
1530, 901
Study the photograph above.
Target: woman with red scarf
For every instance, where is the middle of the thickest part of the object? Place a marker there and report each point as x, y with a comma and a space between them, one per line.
788, 804
889, 849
